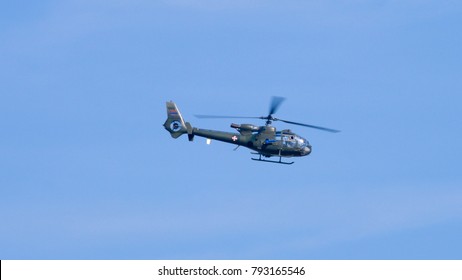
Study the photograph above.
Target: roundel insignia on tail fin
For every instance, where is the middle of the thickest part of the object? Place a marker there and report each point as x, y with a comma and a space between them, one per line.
176, 126
175, 123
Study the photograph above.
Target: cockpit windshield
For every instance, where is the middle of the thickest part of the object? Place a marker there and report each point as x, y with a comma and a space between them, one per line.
293, 141
301, 142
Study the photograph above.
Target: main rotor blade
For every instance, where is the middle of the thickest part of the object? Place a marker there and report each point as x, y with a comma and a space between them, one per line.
223, 117
275, 103
311, 126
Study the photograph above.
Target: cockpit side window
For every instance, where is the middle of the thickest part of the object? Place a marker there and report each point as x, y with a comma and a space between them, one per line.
288, 141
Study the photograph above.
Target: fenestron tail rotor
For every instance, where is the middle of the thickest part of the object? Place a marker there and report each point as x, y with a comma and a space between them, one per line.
276, 102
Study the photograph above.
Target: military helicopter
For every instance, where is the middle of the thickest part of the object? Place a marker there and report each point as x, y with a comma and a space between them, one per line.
265, 140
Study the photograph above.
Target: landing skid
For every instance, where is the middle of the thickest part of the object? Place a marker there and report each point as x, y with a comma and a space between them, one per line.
272, 161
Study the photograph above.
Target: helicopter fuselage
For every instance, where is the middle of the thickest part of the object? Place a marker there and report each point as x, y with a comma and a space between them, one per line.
265, 140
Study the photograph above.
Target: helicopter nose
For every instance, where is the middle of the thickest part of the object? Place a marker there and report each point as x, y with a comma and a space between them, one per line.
306, 150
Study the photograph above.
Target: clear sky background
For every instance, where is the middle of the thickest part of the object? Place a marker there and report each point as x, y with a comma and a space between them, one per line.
88, 172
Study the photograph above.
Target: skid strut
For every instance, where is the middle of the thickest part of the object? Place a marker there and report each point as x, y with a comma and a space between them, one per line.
272, 161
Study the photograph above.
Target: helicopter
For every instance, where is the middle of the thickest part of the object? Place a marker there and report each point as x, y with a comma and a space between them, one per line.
264, 140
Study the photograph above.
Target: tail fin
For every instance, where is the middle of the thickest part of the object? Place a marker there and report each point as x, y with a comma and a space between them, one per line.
175, 123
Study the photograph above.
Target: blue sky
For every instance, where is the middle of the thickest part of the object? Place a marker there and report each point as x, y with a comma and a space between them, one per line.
88, 172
